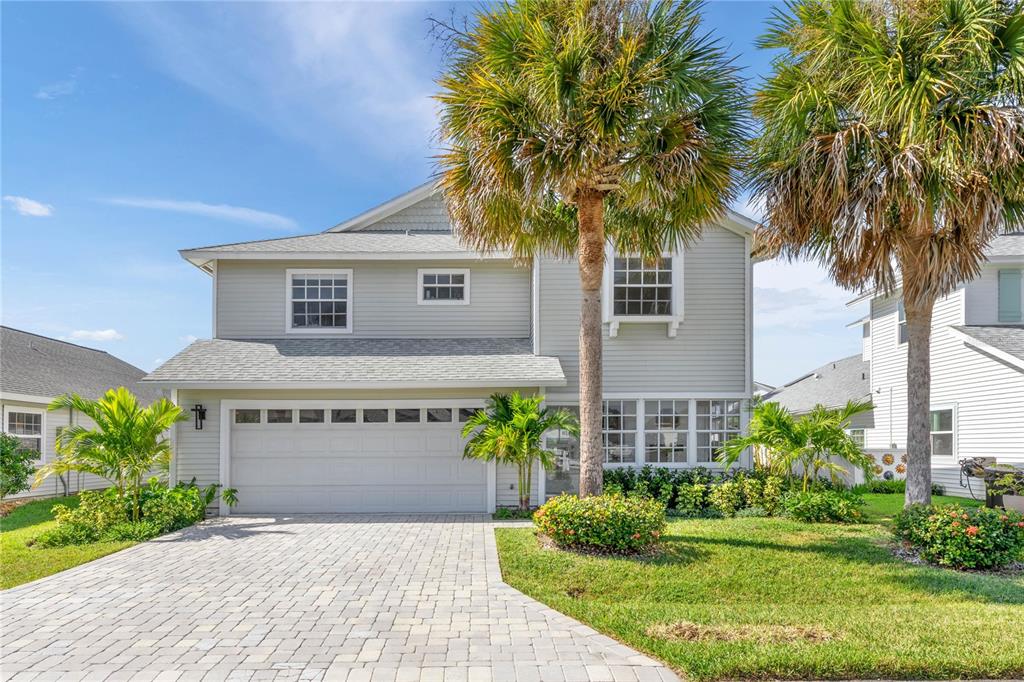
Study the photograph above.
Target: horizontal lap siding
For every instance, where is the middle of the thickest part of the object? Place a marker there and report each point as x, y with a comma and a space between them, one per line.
428, 215
251, 300
507, 487
198, 451
707, 355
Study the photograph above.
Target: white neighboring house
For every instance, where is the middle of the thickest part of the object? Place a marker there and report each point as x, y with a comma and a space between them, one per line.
343, 363
36, 369
977, 356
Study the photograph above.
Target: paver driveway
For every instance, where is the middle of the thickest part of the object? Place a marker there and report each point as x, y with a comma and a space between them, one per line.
307, 597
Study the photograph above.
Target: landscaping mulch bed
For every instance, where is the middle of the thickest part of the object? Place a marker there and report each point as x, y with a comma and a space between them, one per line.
909, 554
685, 631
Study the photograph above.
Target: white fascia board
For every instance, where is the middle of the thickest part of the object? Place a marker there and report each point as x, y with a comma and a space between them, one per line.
386, 209
25, 398
509, 382
986, 348
198, 258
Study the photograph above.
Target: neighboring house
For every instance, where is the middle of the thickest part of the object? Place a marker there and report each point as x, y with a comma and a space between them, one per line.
832, 385
33, 371
761, 388
977, 356
343, 364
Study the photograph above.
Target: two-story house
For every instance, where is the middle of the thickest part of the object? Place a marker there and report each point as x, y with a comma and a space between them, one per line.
977, 358
343, 364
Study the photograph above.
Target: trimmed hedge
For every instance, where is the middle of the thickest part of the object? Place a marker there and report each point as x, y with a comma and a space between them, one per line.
699, 492
605, 522
963, 537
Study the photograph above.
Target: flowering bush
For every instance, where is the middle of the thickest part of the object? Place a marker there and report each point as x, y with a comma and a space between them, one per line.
962, 537
611, 522
823, 506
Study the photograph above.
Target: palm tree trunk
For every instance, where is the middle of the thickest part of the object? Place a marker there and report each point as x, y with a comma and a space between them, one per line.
590, 205
919, 446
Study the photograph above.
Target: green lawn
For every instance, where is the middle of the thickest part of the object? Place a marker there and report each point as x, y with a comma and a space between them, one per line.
884, 508
19, 563
874, 616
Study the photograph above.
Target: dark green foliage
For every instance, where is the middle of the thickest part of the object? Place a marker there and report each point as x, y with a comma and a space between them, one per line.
693, 493
893, 487
823, 506
963, 537
17, 465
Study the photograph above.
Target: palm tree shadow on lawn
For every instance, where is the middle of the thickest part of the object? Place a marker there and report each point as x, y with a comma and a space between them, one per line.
865, 550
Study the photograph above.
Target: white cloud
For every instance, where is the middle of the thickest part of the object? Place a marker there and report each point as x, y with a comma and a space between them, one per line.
58, 89
188, 338
751, 207
348, 79
238, 214
30, 207
96, 335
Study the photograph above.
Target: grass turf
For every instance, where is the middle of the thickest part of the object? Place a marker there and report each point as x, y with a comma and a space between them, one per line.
747, 582
20, 563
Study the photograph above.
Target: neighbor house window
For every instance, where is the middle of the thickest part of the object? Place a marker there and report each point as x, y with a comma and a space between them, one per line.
857, 436
619, 432
443, 286
343, 416
901, 323
319, 300
279, 416
27, 427
717, 422
641, 288
942, 432
666, 426
247, 416
1010, 296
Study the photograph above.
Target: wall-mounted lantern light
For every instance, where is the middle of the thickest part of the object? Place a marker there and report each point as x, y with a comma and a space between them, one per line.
200, 413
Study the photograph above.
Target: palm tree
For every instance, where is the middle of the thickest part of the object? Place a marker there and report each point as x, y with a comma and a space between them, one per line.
510, 431
572, 123
127, 444
811, 442
892, 151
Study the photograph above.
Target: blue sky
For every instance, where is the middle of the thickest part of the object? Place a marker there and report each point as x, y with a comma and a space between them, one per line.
130, 131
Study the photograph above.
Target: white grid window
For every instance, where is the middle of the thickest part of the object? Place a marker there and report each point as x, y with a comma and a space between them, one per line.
439, 287
27, 427
942, 432
666, 427
717, 422
857, 436
640, 288
319, 301
619, 432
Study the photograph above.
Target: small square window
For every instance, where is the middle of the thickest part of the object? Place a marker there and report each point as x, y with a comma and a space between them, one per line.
375, 416
279, 416
407, 415
343, 416
311, 416
247, 416
439, 414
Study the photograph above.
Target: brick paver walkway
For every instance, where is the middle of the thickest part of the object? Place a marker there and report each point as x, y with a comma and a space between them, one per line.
376, 599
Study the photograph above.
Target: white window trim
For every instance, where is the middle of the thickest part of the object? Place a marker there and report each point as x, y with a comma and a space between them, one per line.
901, 312
671, 321
332, 272
936, 408
441, 271
8, 409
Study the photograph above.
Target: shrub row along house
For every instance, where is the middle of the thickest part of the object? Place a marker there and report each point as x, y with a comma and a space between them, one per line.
343, 364
33, 371
977, 382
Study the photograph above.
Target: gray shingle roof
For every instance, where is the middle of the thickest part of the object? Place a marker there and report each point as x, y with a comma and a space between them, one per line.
362, 362
40, 366
1011, 244
831, 385
346, 243
1007, 338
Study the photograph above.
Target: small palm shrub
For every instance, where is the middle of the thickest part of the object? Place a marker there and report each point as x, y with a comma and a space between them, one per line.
962, 537
823, 506
604, 522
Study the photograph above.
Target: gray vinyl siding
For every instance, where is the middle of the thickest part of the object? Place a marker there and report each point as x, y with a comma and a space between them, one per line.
507, 487
428, 215
708, 353
251, 300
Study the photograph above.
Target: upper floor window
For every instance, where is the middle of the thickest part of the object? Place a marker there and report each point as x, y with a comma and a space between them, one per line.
27, 427
319, 301
640, 288
901, 323
1010, 294
941, 422
440, 287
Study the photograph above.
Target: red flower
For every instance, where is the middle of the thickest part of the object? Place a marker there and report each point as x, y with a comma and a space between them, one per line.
636, 536
1020, 524
1004, 517
955, 524
972, 530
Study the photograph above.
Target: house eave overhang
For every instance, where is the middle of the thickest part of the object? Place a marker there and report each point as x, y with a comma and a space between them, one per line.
203, 259
506, 382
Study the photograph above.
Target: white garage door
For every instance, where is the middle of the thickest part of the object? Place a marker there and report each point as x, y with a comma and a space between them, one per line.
342, 460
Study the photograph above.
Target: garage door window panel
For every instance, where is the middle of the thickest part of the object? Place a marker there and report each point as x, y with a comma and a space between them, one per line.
275, 416
247, 416
408, 415
375, 415
438, 415
311, 416
343, 416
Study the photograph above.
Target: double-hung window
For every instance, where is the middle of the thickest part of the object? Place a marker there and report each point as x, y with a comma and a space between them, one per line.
27, 426
619, 431
941, 423
666, 426
641, 288
319, 301
443, 286
717, 422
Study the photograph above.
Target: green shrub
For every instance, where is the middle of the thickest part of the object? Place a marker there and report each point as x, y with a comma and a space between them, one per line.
727, 497
691, 497
506, 513
168, 509
66, 534
963, 537
823, 506
136, 531
771, 496
709, 513
97, 509
609, 522
891, 487
17, 466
